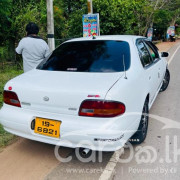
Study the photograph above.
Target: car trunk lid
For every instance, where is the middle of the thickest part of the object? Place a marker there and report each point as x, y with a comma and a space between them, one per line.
61, 92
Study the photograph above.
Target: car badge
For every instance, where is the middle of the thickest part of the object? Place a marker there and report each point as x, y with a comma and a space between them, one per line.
46, 98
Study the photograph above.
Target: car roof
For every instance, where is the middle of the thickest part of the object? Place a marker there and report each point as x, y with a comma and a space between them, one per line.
127, 38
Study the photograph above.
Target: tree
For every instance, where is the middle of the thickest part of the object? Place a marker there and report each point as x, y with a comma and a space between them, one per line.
72, 11
15, 15
5, 6
167, 16
116, 17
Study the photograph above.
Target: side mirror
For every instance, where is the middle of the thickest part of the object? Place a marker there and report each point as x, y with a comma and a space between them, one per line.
164, 54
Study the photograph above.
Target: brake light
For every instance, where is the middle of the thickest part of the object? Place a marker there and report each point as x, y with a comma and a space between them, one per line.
101, 108
11, 98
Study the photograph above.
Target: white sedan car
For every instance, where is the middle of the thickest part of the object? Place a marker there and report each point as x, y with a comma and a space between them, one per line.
92, 93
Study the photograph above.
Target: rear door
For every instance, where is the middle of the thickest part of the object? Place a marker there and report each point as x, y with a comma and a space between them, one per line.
158, 64
150, 76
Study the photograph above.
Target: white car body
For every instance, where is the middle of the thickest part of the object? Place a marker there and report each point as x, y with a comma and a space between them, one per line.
58, 96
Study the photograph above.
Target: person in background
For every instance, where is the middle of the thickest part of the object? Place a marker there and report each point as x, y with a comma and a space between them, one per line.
33, 48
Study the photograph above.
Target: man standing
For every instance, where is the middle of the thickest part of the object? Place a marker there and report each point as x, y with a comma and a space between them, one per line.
33, 48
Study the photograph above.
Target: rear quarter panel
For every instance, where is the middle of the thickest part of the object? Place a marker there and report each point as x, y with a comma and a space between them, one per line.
131, 91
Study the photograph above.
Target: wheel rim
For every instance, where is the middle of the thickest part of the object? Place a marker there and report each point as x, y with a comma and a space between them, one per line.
166, 80
144, 120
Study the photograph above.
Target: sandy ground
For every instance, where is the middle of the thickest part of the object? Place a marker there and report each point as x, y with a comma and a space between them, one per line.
26, 160
165, 46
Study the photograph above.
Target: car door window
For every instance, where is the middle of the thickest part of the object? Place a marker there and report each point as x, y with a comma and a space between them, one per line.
153, 46
144, 54
152, 50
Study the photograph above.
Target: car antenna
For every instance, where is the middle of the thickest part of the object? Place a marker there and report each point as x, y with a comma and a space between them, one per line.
124, 65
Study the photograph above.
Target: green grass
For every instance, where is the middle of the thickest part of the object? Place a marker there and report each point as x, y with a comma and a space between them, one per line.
5, 75
5, 137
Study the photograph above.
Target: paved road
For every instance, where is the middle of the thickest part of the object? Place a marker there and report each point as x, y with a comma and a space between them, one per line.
27, 159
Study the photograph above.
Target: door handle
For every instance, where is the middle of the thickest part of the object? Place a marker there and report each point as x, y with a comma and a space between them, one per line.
149, 77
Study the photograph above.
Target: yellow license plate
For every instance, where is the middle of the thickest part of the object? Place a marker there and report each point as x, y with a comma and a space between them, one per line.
47, 127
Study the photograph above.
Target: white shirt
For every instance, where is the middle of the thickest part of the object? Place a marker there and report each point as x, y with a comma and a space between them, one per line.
33, 51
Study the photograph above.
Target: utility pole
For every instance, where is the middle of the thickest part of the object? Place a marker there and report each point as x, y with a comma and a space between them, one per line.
90, 7
50, 25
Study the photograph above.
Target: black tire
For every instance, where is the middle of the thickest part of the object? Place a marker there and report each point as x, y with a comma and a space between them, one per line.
141, 133
166, 81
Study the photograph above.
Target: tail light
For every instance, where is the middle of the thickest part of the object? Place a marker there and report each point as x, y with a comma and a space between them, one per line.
11, 98
100, 108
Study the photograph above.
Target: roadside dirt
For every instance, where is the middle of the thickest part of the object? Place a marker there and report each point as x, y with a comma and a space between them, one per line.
165, 46
27, 160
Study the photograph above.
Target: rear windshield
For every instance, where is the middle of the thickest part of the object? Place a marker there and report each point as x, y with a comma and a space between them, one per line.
89, 56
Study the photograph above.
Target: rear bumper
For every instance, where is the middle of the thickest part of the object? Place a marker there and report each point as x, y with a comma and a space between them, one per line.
100, 134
